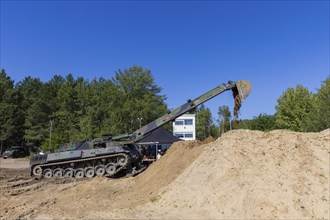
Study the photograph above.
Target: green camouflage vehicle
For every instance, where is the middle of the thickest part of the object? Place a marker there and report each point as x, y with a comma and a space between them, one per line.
110, 155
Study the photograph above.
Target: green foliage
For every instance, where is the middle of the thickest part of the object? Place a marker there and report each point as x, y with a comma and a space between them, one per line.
319, 118
224, 118
242, 124
297, 109
67, 117
204, 123
79, 109
28, 114
7, 108
5, 84
263, 122
36, 122
293, 108
139, 98
214, 131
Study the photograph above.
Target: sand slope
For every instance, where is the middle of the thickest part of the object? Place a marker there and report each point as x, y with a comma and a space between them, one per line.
251, 175
242, 175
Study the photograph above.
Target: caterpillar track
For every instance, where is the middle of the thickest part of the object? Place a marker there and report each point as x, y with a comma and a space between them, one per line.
99, 160
108, 165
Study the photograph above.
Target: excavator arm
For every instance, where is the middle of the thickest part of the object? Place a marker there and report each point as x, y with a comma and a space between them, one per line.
241, 89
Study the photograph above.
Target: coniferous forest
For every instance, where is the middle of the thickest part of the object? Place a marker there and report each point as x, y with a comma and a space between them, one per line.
76, 109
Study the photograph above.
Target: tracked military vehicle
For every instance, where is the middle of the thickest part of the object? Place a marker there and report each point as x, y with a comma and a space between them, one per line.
110, 155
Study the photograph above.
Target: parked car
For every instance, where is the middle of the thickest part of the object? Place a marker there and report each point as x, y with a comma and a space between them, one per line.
15, 152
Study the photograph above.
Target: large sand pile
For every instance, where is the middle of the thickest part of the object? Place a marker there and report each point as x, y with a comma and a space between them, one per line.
242, 175
67, 198
251, 174
146, 186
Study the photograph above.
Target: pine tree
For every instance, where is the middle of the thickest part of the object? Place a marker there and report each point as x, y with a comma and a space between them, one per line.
7, 126
140, 98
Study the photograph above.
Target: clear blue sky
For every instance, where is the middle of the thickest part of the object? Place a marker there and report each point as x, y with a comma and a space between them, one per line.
190, 46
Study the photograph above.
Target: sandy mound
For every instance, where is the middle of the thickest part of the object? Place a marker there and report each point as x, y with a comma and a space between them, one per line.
242, 175
208, 140
63, 198
145, 187
167, 168
251, 175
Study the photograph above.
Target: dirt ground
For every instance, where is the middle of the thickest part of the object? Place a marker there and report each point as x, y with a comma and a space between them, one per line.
242, 175
14, 163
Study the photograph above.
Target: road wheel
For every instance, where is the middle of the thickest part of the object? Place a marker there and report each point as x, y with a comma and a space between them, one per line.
89, 172
68, 172
122, 161
37, 171
100, 170
48, 173
79, 173
58, 172
110, 168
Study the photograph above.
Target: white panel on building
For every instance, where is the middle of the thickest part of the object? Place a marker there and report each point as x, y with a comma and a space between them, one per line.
184, 127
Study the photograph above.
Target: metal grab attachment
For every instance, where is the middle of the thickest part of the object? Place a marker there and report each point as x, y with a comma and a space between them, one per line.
240, 93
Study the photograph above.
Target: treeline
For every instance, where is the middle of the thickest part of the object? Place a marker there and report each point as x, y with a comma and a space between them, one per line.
297, 109
78, 109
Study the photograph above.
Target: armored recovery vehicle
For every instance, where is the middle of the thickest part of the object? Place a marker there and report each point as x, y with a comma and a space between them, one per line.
110, 155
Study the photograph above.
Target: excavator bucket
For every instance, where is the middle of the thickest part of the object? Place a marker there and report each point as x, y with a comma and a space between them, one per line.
244, 88
240, 93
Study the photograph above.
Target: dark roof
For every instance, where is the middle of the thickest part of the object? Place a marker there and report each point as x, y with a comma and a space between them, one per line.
161, 136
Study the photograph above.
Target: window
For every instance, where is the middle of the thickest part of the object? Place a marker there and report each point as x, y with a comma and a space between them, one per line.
188, 135
179, 135
183, 135
188, 121
179, 122
184, 122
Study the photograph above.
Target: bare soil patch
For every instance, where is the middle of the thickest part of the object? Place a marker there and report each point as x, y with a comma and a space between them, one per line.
242, 175
14, 163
